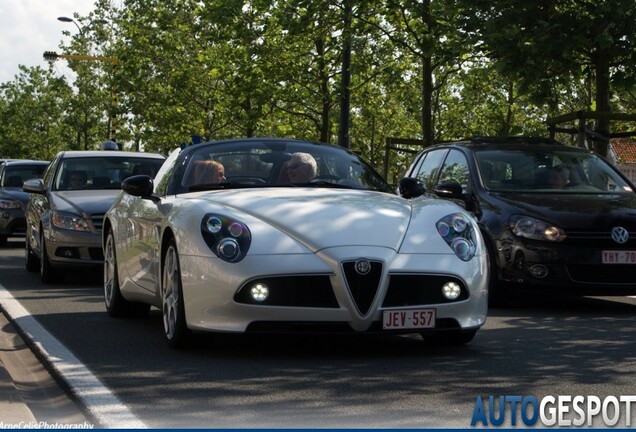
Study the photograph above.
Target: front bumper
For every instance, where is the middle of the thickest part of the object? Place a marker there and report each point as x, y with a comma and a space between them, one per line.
210, 289
74, 248
12, 223
563, 269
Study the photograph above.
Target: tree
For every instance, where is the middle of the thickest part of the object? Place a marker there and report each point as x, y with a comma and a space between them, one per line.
34, 115
542, 45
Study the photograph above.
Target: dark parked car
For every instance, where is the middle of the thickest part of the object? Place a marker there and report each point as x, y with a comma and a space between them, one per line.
555, 218
66, 207
12, 198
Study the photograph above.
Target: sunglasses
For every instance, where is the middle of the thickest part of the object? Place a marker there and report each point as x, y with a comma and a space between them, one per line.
293, 166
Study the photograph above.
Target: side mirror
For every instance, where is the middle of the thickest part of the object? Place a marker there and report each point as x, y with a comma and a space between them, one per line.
449, 190
138, 185
34, 186
410, 187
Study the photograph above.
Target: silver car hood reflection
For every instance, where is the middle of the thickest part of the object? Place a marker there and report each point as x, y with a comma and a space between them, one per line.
84, 201
321, 218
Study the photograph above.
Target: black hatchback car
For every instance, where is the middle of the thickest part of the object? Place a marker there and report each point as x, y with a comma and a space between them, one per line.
555, 218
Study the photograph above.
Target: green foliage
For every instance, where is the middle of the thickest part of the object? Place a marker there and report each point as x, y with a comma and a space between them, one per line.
33, 120
432, 70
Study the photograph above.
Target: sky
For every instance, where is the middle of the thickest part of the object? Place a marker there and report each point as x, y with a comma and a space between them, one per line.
30, 27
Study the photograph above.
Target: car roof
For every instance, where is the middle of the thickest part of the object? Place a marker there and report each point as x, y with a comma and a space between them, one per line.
509, 143
109, 153
24, 162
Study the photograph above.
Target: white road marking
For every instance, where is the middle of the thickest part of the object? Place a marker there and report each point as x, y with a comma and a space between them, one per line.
105, 407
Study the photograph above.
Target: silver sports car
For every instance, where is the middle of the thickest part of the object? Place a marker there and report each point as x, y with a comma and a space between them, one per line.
278, 235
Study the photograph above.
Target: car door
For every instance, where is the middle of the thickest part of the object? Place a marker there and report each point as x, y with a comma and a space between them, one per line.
38, 209
139, 242
144, 220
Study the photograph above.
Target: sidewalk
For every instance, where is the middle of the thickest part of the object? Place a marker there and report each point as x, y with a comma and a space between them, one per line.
29, 396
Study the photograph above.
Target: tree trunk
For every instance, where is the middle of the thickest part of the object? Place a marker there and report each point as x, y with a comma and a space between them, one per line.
427, 81
601, 63
345, 98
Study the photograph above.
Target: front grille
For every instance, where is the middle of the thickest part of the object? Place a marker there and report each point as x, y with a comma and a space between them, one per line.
598, 239
362, 288
609, 274
412, 290
97, 220
299, 291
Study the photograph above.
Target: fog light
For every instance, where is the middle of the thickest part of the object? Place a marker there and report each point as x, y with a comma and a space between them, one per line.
259, 292
451, 290
538, 271
6, 215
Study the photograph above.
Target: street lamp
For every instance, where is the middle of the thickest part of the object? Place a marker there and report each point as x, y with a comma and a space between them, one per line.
71, 20
51, 56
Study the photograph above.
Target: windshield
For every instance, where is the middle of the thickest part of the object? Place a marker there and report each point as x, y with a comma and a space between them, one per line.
105, 172
254, 163
15, 175
548, 171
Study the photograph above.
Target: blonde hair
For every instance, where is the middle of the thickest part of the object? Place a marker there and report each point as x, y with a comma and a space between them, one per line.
204, 171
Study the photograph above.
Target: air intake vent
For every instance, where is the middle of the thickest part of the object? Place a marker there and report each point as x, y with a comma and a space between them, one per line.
363, 285
98, 221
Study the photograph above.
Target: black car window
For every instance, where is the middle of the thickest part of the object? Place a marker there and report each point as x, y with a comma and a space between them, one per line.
455, 169
50, 171
427, 173
548, 170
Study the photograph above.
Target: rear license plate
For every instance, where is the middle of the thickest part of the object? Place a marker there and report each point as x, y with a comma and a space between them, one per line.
618, 257
408, 319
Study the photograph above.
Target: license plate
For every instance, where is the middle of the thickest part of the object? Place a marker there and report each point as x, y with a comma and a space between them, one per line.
619, 257
408, 319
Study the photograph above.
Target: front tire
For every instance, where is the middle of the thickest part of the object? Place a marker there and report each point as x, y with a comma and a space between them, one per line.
497, 297
48, 274
31, 262
173, 309
116, 304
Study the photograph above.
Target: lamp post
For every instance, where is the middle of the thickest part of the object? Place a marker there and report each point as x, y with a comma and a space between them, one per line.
81, 32
52, 56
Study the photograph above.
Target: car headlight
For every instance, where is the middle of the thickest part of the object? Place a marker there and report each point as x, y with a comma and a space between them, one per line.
527, 227
457, 232
70, 222
228, 238
9, 204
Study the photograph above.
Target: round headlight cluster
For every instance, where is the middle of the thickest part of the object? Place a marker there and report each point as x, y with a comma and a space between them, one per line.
457, 232
229, 239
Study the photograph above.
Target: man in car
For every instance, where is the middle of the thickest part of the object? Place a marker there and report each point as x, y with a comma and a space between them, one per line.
77, 180
301, 168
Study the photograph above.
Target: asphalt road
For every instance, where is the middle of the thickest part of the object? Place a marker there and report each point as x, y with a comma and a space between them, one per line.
563, 346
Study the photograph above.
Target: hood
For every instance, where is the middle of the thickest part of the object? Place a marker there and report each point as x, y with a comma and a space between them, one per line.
573, 211
321, 218
86, 202
14, 194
